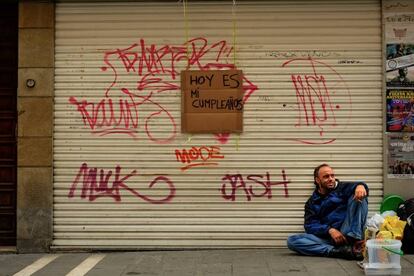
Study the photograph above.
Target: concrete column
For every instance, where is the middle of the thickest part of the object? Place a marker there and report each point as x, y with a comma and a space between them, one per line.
35, 126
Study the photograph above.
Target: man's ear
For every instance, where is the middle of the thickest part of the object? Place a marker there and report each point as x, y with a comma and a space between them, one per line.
317, 180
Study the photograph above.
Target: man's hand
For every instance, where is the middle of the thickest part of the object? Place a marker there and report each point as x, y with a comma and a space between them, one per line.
360, 193
337, 236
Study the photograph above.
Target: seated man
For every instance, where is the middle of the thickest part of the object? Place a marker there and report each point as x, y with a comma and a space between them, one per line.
335, 216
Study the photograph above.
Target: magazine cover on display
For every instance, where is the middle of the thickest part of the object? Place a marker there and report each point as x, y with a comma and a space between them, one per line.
400, 110
401, 156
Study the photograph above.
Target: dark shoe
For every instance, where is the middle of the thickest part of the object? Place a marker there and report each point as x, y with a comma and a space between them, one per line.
358, 246
358, 255
345, 252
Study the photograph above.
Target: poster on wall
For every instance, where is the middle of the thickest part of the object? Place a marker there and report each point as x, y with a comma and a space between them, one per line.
400, 65
399, 37
401, 156
400, 110
399, 27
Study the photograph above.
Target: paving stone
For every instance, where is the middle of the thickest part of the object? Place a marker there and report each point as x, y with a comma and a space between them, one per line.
195, 263
63, 264
144, 264
114, 264
321, 266
12, 263
214, 269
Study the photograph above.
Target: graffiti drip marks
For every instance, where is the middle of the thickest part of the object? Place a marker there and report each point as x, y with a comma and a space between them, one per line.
96, 185
260, 186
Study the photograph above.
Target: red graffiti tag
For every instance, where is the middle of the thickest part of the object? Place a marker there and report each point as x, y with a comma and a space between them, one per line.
92, 188
103, 119
128, 105
261, 182
198, 156
315, 97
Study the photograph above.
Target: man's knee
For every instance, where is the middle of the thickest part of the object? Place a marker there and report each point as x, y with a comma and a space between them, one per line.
294, 241
291, 241
359, 206
364, 205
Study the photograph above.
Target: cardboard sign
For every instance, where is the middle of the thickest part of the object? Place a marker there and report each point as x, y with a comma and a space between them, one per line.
212, 101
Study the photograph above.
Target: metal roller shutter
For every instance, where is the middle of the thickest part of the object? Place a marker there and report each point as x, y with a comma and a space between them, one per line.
124, 175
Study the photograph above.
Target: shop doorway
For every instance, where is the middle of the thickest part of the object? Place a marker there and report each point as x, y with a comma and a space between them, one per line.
8, 122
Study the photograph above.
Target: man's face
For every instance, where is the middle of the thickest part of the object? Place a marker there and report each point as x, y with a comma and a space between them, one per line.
325, 179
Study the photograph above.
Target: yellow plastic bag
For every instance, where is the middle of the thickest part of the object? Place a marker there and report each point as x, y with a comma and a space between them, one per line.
393, 225
385, 235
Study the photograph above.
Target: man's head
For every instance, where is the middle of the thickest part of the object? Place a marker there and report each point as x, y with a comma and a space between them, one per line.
324, 178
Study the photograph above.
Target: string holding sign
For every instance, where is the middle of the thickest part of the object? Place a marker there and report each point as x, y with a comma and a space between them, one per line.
233, 15
186, 30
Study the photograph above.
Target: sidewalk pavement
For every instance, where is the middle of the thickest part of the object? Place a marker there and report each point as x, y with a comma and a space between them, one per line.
182, 263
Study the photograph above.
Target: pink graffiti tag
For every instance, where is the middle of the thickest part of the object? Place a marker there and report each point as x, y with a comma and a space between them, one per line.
263, 182
92, 188
315, 98
128, 105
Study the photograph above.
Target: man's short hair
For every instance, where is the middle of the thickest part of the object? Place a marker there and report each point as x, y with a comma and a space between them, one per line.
316, 171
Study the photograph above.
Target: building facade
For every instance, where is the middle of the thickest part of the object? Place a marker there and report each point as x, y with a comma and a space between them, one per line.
102, 161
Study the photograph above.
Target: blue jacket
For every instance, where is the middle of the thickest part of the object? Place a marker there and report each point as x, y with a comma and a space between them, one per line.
325, 211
